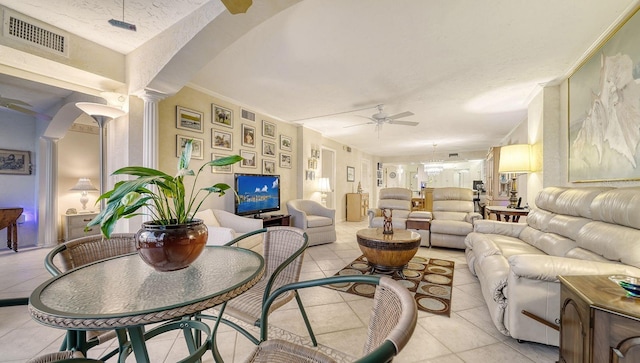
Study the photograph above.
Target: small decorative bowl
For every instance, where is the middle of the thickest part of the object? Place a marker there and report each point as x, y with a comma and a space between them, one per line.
629, 283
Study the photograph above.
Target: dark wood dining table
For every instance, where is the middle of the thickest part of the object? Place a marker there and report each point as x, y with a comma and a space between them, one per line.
9, 220
125, 294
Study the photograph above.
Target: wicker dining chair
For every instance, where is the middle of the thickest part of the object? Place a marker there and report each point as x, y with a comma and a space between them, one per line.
391, 324
283, 252
79, 252
62, 357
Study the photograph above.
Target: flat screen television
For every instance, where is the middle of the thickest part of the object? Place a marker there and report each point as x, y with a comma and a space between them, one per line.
257, 193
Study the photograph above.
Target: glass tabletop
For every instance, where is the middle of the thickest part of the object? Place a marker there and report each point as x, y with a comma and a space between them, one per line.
126, 286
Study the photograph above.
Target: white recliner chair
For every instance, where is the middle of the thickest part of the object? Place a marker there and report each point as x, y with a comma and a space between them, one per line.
453, 217
399, 201
312, 217
224, 226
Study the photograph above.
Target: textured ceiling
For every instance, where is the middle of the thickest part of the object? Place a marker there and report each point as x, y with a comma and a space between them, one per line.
466, 69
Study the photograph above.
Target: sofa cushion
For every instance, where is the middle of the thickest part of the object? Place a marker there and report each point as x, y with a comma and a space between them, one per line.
446, 226
567, 226
577, 202
455, 216
618, 206
218, 236
611, 241
318, 221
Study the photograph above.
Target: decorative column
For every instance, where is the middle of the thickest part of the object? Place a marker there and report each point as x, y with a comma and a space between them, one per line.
150, 132
47, 167
151, 128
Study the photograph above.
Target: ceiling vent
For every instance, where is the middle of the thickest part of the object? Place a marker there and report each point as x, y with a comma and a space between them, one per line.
39, 35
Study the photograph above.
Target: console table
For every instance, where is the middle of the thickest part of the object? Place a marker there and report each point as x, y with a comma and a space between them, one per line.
9, 220
598, 322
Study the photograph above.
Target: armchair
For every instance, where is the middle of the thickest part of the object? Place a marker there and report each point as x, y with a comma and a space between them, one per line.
318, 221
399, 200
453, 217
224, 227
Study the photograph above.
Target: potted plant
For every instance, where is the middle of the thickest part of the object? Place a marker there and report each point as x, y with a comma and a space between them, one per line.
173, 238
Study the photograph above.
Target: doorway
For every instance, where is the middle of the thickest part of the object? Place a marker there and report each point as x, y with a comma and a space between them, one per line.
328, 170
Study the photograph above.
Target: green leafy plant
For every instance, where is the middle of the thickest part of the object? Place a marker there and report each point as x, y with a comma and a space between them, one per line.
167, 203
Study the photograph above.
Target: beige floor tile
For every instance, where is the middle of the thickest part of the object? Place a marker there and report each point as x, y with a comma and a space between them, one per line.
498, 352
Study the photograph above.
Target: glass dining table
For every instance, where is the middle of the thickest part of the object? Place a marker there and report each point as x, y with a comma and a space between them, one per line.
125, 294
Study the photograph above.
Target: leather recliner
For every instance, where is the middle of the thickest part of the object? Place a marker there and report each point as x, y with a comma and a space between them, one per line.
453, 216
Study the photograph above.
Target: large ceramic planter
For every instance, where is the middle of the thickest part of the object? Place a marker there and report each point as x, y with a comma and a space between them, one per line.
173, 246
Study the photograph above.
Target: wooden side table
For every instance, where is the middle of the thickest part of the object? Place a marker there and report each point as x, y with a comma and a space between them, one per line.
9, 220
388, 252
598, 322
512, 214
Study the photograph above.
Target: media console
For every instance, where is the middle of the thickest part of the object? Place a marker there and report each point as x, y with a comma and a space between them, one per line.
275, 220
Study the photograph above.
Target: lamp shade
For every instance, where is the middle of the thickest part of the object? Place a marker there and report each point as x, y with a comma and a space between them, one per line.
515, 159
323, 185
98, 109
84, 184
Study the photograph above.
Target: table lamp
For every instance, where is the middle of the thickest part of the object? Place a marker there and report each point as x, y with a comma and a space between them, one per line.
84, 185
515, 159
324, 187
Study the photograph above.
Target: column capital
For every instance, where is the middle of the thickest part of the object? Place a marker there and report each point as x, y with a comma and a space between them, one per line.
148, 95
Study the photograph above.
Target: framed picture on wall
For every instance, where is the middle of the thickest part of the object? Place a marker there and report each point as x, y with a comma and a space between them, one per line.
268, 129
268, 148
189, 120
197, 149
227, 169
351, 174
221, 116
285, 160
604, 95
221, 140
285, 143
249, 159
248, 135
268, 166
16, 162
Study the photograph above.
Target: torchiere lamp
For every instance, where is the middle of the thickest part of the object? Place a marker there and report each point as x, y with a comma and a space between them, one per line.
515, 159
101, 114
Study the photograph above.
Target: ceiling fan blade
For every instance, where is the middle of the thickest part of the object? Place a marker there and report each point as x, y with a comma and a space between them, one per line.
26, 111
237, 6
401, 115
334, 114
405, 123
9, 101
366, 123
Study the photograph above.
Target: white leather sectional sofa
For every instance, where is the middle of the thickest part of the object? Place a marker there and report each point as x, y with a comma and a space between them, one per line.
570, 231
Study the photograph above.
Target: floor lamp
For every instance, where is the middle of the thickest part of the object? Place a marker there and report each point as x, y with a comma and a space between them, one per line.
515, 159
101, 114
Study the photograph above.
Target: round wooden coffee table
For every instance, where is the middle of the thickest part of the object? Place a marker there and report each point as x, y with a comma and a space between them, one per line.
388, 252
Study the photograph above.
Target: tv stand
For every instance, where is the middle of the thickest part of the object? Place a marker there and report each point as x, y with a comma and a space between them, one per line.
275, 220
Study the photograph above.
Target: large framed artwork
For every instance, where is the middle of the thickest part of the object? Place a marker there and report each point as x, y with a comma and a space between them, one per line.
15, 162
604, 110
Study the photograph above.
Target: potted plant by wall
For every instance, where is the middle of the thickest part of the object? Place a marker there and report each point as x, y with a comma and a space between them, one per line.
173, 239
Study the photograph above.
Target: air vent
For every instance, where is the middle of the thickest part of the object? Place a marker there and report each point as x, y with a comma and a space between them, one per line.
28, 32
453, 155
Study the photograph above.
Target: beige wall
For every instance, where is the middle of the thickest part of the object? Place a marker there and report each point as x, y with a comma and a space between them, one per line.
201, 102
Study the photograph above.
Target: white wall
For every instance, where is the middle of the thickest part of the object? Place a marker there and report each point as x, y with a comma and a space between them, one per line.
18, 132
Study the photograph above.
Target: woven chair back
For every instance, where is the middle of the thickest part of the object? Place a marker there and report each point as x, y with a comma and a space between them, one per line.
84, 250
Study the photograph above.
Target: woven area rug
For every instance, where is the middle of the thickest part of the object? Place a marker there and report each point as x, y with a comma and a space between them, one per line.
429, 279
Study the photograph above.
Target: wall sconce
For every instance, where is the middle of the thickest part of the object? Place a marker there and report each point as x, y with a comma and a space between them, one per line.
324, 187
84, 185
515, 159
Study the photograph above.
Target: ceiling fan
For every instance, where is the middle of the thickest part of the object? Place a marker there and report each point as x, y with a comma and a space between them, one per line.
382, 118
21, 106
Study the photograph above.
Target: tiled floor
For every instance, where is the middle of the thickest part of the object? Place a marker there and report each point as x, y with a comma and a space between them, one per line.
338, 319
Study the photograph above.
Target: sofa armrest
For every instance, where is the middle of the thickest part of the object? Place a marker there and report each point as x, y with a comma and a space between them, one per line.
494, 227
237, 223
372, 213
298, 217
473, 217
547, 268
